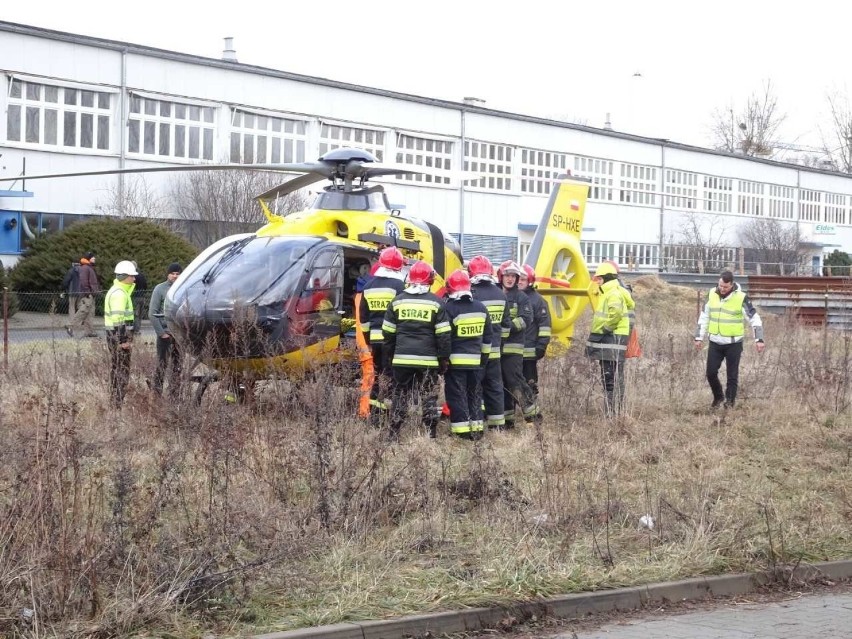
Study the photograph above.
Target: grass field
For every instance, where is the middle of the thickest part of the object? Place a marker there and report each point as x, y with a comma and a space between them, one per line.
175, 520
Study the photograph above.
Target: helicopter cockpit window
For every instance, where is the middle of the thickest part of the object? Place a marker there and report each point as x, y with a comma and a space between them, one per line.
339, 201
324, 285
247, 270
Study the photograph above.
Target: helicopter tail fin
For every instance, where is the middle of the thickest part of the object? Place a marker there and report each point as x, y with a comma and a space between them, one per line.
562, 276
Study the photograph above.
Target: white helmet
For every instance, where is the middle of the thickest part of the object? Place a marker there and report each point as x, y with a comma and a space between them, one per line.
125, 267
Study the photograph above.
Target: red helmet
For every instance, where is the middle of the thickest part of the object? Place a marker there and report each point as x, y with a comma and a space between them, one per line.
509, 267
480, 265
374, 268
421, 273
530, 273
458, 281
391, 258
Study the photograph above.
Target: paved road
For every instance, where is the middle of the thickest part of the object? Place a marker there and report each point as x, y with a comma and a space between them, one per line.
826, 615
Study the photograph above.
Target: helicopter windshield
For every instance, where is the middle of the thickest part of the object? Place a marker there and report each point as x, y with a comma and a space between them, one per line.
245, 269
354, 201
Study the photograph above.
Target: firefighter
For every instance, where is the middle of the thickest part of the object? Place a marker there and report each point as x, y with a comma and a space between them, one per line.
483, 286
538, 332
516, 390
386, 284
608, 337
471, 345
417, 341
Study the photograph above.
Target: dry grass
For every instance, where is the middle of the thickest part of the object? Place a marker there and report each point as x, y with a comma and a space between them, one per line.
289, 512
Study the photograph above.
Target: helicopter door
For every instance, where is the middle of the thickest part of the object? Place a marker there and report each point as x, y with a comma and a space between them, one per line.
318, 305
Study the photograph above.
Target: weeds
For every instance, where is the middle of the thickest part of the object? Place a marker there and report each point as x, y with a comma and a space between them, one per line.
285, 510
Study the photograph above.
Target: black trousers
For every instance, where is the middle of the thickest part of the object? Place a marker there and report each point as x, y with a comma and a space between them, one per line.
381, 381
412, 385
731, 354
491, 380
168, 353
517, 391
531, 375
464, 397
612, 377
119, 370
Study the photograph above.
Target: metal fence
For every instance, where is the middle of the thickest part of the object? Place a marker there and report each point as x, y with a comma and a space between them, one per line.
32, 319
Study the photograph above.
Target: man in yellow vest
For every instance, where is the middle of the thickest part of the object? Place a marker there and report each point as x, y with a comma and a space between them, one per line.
118, 321
609, 334
722, 319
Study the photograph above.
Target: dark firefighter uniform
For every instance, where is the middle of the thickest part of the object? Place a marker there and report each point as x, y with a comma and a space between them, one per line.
491, 376
516, 389
417, 337
470, 348
536, 339
375, 299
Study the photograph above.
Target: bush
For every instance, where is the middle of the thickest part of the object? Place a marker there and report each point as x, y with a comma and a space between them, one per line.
152, 247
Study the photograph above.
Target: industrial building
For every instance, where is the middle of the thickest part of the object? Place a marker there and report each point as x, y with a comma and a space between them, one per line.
77, 103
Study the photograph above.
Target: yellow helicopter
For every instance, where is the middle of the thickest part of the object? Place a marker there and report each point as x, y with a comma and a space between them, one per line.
275, 301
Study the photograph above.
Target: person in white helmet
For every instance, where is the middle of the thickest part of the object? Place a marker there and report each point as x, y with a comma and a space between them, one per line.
118, 321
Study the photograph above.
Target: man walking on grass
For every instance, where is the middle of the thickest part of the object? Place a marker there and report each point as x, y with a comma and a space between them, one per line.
722, 319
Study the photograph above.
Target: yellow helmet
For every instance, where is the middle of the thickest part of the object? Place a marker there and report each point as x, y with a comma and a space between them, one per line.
606, 268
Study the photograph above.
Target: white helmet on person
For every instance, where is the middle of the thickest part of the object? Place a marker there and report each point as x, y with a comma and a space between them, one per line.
125, 267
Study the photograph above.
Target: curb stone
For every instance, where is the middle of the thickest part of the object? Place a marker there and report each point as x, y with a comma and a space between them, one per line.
566, 606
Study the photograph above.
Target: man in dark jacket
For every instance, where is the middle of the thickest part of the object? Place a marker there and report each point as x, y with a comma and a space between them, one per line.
517, 391
89, 287
417, 341
537, 336
71, 288
379, 291
483, 286
139, 294
167, 349
470, 347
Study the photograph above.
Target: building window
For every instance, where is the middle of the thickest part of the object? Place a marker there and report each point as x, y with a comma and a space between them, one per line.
47, 115
539, 169
333, 137
835, 208
750, 198
718, 194
809, 205
493, 161
170, 129
638, 184
265, 139
681, 189
600, 172
418, 151
781, 201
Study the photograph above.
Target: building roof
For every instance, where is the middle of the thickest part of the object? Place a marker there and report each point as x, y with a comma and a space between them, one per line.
127, 47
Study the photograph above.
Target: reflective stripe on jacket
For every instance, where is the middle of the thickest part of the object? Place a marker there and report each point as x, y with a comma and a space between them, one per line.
610, 325
416, 330
537, 336
471, 332
377, 295
118, 306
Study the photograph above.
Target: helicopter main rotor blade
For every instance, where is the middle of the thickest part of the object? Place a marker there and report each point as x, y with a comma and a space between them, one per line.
376, 169
290, 186
293, 167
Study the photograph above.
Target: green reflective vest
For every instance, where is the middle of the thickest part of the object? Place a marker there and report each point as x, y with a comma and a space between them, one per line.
726, 316
118, 306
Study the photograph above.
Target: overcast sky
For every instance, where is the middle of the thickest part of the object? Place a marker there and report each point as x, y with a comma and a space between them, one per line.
659, 67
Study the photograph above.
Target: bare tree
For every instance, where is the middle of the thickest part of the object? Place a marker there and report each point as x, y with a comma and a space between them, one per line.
773, 245
752, 129
699, 244
837, 142
214, 204
136, 198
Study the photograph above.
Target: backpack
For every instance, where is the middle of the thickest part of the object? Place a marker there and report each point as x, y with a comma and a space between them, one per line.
71, 282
